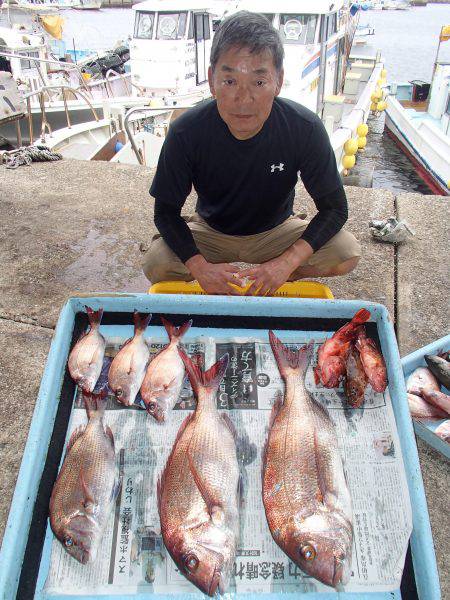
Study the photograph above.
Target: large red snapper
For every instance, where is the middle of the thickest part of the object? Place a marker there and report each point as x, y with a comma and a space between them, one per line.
198, 489
127, 369
165, 374
87, 484
332, 353
86, 359
305, 494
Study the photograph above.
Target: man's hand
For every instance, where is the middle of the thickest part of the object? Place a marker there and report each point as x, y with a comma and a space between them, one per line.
271, 275
214, 278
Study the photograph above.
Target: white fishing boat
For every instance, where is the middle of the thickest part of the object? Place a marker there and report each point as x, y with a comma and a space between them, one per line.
169, 52
418, 119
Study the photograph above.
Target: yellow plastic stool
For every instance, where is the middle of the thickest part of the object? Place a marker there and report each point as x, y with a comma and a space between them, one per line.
294, 289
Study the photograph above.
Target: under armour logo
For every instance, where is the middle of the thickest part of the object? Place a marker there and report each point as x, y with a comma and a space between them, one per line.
280, 167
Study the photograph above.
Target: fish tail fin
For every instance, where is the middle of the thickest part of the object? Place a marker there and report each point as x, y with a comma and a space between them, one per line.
94, 316
173, 331
95, 403
199, 378
290, 359
140, 322
360, 317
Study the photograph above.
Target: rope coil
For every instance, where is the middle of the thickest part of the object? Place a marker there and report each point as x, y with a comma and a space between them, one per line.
27, 155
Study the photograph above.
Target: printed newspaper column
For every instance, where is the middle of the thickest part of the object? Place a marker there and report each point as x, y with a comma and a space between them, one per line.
126, 514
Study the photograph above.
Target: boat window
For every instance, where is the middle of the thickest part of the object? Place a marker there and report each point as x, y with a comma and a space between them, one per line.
332, 25
171, 26
298, 29
190, 35
143, 28
206, 30
198, 27
29, 64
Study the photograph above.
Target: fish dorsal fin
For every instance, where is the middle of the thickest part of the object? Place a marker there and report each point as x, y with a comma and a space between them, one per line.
77, 433
115, 490
163, 474
230, 425
290, 359
208, 379
175, 332
109, 433
273, 415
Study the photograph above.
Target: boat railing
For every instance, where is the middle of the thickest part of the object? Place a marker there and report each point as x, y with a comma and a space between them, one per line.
146, 109
45, 125
68, 66
110, 74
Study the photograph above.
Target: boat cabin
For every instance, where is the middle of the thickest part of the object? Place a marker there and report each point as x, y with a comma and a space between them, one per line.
28, 73
169, 53
313, 35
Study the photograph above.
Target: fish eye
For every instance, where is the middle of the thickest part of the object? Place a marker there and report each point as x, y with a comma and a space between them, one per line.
119, 392
308, 552
152, 406
191, 563
68, 541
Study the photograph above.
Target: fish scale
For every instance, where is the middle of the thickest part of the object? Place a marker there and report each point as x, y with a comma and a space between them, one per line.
86, 487
198, 489
305, 495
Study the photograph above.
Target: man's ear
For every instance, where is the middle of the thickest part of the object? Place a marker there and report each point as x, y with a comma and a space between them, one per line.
211, 82
279, 82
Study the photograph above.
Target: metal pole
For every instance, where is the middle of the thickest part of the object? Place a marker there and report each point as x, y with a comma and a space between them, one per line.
19, 133
323, 63
65, 108
30, 120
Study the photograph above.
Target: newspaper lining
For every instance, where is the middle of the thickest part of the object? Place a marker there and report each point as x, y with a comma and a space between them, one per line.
133, 557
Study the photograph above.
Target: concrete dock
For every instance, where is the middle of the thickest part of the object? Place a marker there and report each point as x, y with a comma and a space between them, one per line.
73, 227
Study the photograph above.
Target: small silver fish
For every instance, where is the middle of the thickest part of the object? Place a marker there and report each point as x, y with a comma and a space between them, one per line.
86, 359
165, 374
127, 369
87, 484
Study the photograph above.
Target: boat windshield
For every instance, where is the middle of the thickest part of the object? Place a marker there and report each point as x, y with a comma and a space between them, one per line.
143, 28
171, 26
298, 29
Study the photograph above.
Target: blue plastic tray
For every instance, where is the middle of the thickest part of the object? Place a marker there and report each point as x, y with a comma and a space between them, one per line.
425, 429
40, 434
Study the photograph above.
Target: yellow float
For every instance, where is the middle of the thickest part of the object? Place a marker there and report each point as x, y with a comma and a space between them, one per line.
362, 142
348, 162
350, 148
362, 130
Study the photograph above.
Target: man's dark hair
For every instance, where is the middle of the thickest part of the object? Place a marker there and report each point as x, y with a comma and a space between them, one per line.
245, 29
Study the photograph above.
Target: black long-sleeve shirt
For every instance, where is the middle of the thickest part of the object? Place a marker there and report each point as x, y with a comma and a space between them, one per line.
246, 186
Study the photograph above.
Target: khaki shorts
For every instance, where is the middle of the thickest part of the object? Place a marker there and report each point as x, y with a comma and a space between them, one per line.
161, 264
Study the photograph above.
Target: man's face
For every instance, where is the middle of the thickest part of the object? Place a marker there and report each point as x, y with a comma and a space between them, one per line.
245, 85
